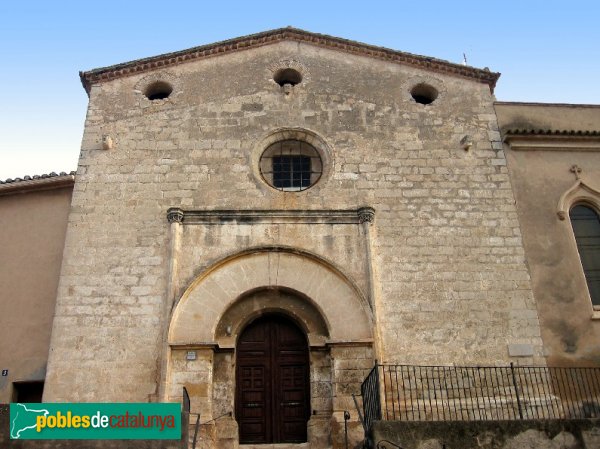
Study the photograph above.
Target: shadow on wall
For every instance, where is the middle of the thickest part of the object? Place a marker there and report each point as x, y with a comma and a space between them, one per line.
539, 434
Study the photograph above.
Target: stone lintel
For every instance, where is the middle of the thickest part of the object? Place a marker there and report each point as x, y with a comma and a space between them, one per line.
226, 348
354, 343
251, 217
231, 348
192, 346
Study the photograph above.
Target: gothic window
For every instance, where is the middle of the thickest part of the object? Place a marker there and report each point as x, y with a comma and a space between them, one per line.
291, 165
586, 227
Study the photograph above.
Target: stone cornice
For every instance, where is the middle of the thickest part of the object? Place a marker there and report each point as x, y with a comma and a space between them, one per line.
220, 217
91, 77
546, 105
27, 185
551, 140
217, 347
551, 132
192, 346
353, 343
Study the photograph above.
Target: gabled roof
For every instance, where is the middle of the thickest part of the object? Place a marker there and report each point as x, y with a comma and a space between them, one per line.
286, 34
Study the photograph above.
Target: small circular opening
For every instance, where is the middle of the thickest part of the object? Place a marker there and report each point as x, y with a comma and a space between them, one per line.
158, 91
424, 93
287, 76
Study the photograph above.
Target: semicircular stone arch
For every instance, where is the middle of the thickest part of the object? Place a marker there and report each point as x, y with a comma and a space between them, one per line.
267, 301
344, 311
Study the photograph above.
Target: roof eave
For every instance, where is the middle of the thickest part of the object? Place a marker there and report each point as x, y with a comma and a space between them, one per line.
88, 78
551, 132
54, 182
552, 140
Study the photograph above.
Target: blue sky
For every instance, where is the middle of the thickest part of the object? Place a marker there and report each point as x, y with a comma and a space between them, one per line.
547, 51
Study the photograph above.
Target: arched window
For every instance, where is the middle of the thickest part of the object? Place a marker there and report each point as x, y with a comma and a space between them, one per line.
586, 226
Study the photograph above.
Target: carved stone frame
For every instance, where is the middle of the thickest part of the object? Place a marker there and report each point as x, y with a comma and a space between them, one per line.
579, 193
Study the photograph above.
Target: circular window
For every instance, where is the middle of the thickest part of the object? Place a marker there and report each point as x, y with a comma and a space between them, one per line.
287, 76
424, 93
291, 165
158, 91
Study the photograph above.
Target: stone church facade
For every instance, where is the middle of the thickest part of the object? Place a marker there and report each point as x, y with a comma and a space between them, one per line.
260, 219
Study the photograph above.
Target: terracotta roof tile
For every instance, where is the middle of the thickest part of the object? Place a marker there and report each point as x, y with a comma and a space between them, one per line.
37, 182
34, 177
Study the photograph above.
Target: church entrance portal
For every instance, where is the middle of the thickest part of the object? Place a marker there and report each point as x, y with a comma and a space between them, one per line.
272, 378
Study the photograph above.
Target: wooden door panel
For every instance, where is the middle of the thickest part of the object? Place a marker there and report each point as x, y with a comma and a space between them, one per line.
293, 387
252, 405
291, 429
272, 397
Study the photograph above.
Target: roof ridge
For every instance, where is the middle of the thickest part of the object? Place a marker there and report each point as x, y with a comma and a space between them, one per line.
289, 33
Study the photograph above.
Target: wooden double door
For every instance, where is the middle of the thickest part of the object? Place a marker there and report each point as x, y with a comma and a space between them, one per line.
272, 382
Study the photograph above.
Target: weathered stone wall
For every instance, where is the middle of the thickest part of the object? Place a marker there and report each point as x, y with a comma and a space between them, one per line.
351, 364
205, 245
447, 282
570, 434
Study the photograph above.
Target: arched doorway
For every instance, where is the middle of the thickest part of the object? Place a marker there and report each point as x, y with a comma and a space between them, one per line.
272, 382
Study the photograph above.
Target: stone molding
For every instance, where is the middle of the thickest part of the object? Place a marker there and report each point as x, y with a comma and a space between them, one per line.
305, 135
300, 309
550, 141
175, 215
366, 214
343, 308
580, 191
192, 346
356, 343
250, 217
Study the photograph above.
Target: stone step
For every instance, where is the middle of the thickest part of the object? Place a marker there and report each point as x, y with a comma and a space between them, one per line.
277, 446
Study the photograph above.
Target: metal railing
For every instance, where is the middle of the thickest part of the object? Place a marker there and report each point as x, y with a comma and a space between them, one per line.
465, 393
369, 390
188, 414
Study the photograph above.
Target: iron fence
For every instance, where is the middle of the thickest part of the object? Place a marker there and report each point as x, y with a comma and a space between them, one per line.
465, 393
370, 392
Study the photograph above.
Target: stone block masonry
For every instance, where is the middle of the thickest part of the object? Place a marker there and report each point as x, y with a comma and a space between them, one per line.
439, 271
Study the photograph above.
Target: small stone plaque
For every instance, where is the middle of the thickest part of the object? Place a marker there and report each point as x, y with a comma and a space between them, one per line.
520, 350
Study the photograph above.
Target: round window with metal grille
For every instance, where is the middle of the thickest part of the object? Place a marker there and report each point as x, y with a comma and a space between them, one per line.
291, 165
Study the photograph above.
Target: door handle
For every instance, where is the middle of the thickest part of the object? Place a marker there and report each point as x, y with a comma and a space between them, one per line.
291, 403
252, 405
